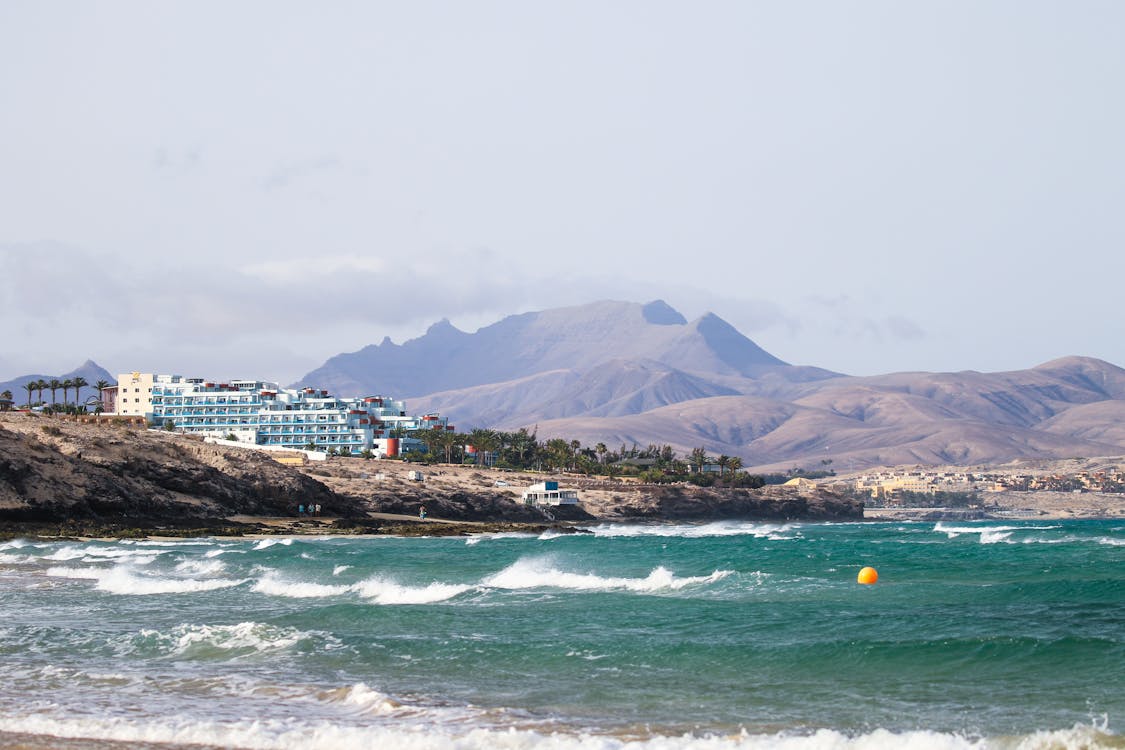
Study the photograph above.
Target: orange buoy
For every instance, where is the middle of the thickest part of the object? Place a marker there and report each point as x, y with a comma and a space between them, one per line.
867, 575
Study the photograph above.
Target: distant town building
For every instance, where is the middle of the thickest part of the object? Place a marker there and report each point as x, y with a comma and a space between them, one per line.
548, 493
262, 413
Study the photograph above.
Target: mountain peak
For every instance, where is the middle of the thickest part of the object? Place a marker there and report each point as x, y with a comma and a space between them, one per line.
660, 313
442, 327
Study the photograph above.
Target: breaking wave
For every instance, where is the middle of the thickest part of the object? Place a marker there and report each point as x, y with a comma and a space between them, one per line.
279, 734
540, 573
124, 581
696, 531
242, 639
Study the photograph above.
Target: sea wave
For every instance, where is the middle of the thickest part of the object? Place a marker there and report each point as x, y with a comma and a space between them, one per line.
695, 531
122, 580
91, 553
388, 592
953, 531
241, 639
378, 590
201, 567
273, 585
540, 573
271, 734
267, 543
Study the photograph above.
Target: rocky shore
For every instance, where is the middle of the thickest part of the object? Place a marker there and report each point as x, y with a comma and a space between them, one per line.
61, 478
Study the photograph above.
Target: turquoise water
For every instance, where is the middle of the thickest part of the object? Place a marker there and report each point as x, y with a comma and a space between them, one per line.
997, 634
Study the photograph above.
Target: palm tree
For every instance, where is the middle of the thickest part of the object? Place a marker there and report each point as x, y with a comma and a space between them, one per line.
54, 385
699, 458
601, 450
101, 385
30, 387
66, 386
40, 385
79, 382
734, 464
723, 461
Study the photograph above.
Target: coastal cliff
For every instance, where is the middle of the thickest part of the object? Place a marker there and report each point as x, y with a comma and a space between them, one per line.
114, 476
58, 476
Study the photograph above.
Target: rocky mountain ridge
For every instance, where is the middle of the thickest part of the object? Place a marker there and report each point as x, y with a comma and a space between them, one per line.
624, 373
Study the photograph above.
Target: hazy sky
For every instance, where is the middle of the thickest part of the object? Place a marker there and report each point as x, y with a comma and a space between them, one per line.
245, 189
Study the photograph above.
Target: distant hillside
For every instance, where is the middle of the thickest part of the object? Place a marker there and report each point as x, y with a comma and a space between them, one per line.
624, 373
90, 370
572, 339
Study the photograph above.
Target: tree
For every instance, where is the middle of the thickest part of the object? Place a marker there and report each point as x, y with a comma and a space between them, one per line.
558, 453
7, 395
66, 386
485, 441
79, 383
723, 461
734, 464
54, 385
699, 458
601, 450
40, 385
30, 387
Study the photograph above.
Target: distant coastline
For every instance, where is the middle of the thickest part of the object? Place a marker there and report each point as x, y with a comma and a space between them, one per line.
62, 478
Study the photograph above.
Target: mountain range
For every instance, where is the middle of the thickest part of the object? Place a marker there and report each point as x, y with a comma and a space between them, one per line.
625, 373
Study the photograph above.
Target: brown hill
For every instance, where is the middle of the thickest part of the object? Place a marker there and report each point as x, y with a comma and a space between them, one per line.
52, 469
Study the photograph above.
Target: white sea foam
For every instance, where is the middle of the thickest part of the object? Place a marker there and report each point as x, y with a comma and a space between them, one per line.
537, 573
364, 698
340, 569
201, 567
251, 637
378, 590
388, 592
326, 735
123, 580
990, 536
955, 531
65, 571
272, 585
9, 559
169, 542
267, 543
13, 544
694, 531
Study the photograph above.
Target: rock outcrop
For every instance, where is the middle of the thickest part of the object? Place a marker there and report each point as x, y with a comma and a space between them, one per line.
53, 470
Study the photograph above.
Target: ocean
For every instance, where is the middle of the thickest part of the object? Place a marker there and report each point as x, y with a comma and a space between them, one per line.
725, 635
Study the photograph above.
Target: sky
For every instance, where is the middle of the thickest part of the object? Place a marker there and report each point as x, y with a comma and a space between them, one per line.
245, 189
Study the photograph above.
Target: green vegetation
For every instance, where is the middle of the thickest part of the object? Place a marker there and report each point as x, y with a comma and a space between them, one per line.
522, 450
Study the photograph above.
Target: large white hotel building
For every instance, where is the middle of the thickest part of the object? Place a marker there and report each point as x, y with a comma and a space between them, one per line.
260, 412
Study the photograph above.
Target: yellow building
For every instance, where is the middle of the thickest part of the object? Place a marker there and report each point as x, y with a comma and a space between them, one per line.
134, 393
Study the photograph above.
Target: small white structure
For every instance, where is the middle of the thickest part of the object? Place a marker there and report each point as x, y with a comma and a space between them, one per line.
415, 476
548, 493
